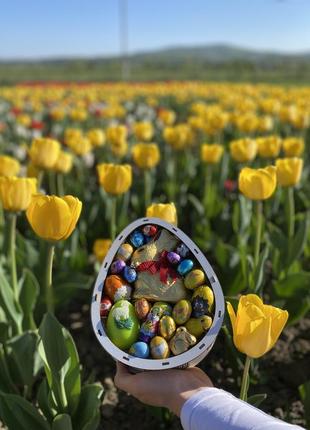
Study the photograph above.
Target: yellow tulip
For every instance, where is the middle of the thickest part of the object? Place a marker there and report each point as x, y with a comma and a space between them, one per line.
64, 162
44, 152
116, 133
293, 146
165, 211
23, 119
9, 166
289, 171
101, 248
258, 184
32, 171
146, 155
96, 137
269, 146
53, 218
16, 193
71, 135
57, 114
179, 136
78, 114
143, 130
167, 116
115, 178
119, 149
256, 327
211, 153
243, 150
81, 146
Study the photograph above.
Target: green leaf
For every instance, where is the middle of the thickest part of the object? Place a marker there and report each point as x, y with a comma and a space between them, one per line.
62, 422
304, 392
23, 359
6, 383
29, 291
257, 399
297, 308
259, 271
45, 401
198, 206
18, 413
7, 301
297, 244
87, 416
294, 284
61, 360
26, 253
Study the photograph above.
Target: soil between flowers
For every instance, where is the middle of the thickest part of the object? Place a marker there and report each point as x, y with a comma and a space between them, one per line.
279, 374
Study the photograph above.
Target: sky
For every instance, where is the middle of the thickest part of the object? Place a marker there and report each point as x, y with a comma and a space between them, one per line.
70, 28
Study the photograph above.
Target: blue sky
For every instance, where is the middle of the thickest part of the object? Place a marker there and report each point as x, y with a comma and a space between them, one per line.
45, 28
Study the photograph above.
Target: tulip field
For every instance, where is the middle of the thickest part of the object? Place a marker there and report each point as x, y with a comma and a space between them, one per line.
227, 163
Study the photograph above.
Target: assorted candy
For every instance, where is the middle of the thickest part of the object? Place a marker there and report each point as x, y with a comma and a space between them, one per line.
156, 299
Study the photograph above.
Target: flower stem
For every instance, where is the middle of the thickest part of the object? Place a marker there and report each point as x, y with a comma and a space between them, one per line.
113, 218
147, 188
290, 212
60, 184
207, 188
259, 225
51, 183
49, 296
12, 255
245, 378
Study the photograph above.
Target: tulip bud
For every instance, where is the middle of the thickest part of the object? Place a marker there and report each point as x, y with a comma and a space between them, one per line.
115, 178
16, 193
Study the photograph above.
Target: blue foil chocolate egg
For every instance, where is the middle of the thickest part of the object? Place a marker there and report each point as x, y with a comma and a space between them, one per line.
149, 328
173, 257
137, 239
129, 274
140, 350
185, 266
117, 266
182, 250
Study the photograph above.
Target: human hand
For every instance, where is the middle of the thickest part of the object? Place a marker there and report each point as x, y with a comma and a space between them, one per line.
167, 388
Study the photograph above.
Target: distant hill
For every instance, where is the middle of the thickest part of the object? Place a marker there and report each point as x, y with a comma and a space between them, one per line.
219, 61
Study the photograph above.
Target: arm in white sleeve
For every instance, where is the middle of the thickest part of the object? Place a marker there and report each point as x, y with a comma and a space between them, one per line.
215, 409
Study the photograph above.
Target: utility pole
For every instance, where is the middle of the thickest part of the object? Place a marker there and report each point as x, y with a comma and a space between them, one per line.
123, 36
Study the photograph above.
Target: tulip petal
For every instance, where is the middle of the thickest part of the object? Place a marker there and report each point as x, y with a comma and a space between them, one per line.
232, 315
75, 206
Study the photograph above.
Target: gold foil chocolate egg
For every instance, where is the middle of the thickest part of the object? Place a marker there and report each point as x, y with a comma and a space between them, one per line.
142, 308
194, 278
197, 326
116, 288
124, 252
167, 327
159, 347
181, 341
205, 293
182, 311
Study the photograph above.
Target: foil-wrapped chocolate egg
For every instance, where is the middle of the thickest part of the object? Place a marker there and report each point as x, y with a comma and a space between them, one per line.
182, 311
117, 266
116, 288
122, 324
185, 266
194, 278
173, 257
149, 230
105, 306
159, 348
206, 294
198, 326
129, 274
161, 308
182, 250
167, 327
142, 308
124, 252
181, 341
139, 349
149, 328
137, 239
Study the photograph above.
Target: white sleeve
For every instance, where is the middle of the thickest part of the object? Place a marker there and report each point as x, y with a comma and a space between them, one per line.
215, 409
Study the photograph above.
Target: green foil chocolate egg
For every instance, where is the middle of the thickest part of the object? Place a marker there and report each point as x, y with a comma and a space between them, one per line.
159, 347
194, 278
167, 327
123, 325
182, 311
